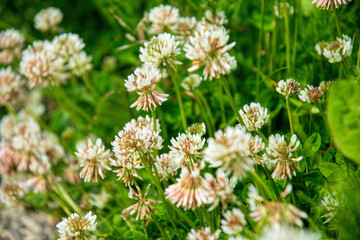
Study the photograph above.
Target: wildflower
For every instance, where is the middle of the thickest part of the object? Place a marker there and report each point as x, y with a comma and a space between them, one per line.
67, 45
218, 19
188, 192
7, 126
137, 137
160, 50
310, 94
220, 189
196, 128
279, 10
71, 173
339, 49
10, 86
191, 82
76, 227
40, 66
126, 173
254, 116
93, 159
41, 180
331, 204
143, 81
256, 145
324, 86
166, 165
48, 19
80, 63
326, 4
162, 17
187, 149
280, 153
11, 43
273, 213
143, 207
184, 26
203, 234
286, 232
234, 222
11, 193
319, 47
288, 88
208, 47
229, 150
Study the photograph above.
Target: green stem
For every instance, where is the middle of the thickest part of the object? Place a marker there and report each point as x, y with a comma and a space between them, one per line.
207, 219
231, 100
272, 182
259, 132
208, 109
337, 22
298, 14
178, 95
60, 202
322, 112
160, 190
67, 198
11, 110
89, 86
205, 114
258, 180
259, 50
221, 101
287, 38
289, 115
163, 233
153, 114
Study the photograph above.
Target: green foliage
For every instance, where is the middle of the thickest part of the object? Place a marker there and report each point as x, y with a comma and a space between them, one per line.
344, 117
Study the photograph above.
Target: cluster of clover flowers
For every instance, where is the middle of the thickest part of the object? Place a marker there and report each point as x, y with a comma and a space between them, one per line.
197, 174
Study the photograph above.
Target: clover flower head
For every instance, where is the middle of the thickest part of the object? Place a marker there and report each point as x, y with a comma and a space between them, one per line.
254, 116
48, 19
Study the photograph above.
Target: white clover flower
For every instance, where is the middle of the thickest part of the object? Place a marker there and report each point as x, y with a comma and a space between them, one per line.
234, 222
254, 116
11, 43
48, 19
285, 232
188, 192
256, 145
186, 148
40, 66
11, 86
162, 17
310, 94
288, 87
220, 189
203, 234
137, 137
66, 45
80, 63
279, 10
143, 81
166, 165
76, 227
11, 193
94, 158
319, 47
184, 26
229, 150
326, 4
160, 50
7, 127
331, 204
281, 154
144, 206
324, 86
218, 19
196, 128
208, 47
191, 82
339, 49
